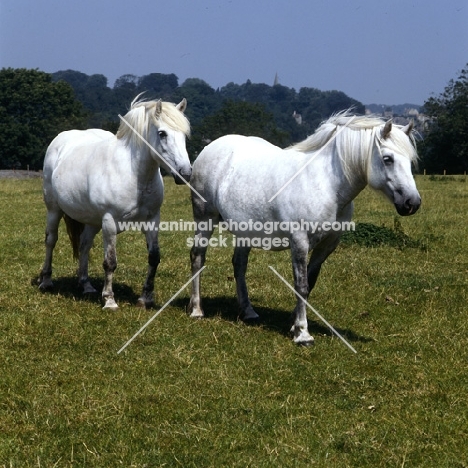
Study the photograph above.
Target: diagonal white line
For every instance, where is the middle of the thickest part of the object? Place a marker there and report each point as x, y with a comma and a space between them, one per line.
311, 308
310, 160
159, 156
160, 310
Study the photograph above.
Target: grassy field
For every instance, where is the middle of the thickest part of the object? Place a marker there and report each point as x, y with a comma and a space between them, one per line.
216, 393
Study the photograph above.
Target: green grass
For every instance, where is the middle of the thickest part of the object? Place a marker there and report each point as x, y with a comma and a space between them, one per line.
216, 393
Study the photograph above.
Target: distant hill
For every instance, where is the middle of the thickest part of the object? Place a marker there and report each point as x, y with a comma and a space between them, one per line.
398, 109
297, 113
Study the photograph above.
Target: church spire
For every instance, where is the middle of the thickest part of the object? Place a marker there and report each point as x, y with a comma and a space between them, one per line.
276, 79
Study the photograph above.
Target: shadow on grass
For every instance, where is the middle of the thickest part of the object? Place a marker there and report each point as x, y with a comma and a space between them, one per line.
222, 306
271, 319
68, 287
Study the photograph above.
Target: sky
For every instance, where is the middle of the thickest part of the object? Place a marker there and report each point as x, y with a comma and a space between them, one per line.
375, 51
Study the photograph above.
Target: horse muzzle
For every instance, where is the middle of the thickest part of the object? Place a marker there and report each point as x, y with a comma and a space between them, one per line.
183, 176
408, 205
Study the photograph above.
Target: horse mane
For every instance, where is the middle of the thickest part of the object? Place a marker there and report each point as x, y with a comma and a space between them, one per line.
355, 137
143, 114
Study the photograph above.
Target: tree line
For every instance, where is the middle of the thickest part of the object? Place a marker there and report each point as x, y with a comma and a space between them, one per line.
36, 106
86, 101
445, 143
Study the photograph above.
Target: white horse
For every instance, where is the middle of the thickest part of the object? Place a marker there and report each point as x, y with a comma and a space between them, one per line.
249, 184
97, 180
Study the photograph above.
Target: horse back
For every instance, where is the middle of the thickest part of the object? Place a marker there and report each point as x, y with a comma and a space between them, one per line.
66, 141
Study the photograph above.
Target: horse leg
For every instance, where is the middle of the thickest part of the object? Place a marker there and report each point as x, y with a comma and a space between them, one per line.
51, 236
86, 242
146, 299
304, 283
240, 260
206, 215
319, 255
299, 330
197, 258
109, 235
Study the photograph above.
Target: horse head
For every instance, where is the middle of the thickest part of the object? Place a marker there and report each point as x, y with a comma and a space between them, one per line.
390, 168
169, 132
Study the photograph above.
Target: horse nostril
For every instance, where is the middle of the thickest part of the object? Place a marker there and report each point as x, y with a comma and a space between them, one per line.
186, 173
408, 204
183, 176
412, 205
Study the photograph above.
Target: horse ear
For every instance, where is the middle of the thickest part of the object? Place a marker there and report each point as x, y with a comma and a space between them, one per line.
182, 105
408, 128
158, 107
386, 130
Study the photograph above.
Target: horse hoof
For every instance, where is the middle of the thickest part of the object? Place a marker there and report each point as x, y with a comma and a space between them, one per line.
194, 311
252, 321
45, 285
305, 343
197, 314
145, 304
110, 305
301, 336
249, 316
304, 340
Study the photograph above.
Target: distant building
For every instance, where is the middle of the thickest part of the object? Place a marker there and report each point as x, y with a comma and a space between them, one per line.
413, 113
388, 113
401, 116
297, 117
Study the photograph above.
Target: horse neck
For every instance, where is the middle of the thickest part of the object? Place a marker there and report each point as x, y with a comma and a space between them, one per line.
144, 166
345, 184
351, 161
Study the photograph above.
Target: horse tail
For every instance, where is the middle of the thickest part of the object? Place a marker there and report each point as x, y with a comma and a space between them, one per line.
74, 230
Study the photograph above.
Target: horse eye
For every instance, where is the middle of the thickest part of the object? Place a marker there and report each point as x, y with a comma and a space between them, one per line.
388, 160
162, 134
